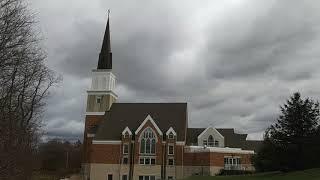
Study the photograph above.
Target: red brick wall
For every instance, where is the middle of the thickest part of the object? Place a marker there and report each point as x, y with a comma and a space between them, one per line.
212, 158
105, 153
90, 121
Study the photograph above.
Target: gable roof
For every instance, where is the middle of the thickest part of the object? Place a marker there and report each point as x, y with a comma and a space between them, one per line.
232, 139
131, 115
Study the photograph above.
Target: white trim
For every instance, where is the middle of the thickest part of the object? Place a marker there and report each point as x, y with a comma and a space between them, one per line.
126, 130
148, 118
210, 127
90, 135
171, 130
125, 144
200, 149
180, 143
105, 142
94, 113
102, 92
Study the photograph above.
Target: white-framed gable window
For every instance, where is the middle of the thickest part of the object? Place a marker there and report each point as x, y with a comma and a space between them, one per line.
148, 142
171, 135
211, 142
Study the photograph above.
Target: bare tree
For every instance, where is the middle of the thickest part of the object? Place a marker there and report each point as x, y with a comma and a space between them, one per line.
24, 84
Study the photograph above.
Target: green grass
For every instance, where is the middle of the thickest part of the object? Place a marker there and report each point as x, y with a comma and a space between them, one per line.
311, 174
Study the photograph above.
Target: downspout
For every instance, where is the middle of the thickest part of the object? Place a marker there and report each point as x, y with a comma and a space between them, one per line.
132, 145
120, 160
182, 165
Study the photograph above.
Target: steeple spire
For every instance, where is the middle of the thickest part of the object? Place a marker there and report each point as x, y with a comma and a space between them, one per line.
105, 56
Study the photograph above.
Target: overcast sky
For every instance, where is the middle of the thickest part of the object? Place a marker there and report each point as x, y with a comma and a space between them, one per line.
234, 61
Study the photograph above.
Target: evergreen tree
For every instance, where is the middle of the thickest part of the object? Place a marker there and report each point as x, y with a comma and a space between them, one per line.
289, 142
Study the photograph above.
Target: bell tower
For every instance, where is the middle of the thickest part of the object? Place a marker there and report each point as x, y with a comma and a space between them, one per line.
101, 95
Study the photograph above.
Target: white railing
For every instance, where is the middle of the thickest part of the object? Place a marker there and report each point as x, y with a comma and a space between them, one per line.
233, 167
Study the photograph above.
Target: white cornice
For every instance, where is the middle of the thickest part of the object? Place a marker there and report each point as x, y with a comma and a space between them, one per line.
95, 113
180, 143
90, 135
148, 118
102, 92
105, 142
200, 149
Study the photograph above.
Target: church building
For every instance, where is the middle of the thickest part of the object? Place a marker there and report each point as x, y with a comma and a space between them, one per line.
150, 141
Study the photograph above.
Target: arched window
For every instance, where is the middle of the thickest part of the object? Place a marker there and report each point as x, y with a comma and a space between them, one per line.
210, 141
148, 142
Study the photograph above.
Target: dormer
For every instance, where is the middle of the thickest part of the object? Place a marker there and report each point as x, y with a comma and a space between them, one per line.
126, 133
210, 137
171, 134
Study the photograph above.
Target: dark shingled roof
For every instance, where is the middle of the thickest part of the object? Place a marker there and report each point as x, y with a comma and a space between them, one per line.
232, 139
121, 115
105, 56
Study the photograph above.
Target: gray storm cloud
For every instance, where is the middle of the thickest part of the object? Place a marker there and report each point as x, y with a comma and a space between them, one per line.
234, 62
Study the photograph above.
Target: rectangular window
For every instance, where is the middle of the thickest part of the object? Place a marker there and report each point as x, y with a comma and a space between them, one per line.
125, 148
170, 162
125, 177
109, 176
205, 142
170, 150
98, 99
147, 177
170, 177
153, 161
232, 161
147, 161
125, 160
141, 160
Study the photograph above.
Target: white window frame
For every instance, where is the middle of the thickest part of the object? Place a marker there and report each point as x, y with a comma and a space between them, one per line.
150, 160
123, 176
98, 98
172, 162
170, 145
149, 177
126, 144
124, 158
148, 132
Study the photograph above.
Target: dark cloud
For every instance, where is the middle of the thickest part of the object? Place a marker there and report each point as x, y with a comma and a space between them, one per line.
233, 62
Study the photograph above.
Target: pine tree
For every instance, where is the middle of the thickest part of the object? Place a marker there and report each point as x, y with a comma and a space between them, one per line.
289, 142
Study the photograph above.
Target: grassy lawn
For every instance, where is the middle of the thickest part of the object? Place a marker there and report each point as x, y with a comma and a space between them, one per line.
311, 174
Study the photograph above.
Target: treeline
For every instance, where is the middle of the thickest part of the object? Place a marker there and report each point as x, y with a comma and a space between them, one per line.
293, 142
59, 157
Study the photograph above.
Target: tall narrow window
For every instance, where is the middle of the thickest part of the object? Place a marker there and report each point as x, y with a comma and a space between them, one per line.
125, 177
148, 142
170, 149
142, 145
109, 176
148, 146
153, 146
125, 148
210, 141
